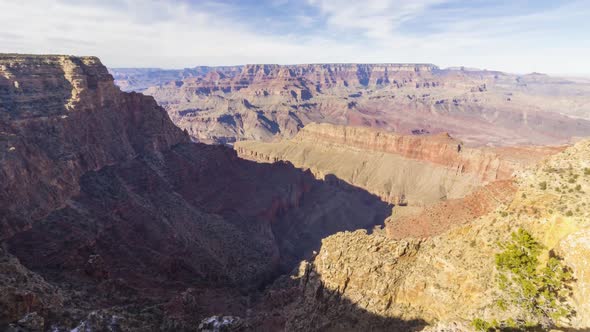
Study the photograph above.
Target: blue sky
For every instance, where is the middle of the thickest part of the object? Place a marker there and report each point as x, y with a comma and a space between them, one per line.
516, 36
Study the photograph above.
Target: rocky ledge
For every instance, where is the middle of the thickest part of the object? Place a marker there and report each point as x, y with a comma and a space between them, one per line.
415, 170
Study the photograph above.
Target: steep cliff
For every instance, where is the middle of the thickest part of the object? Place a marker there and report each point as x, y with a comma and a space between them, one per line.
109, 215
401, 169
60, 117
265, 102
452, 277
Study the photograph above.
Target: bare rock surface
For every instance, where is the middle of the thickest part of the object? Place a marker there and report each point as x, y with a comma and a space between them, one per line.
401, 169
112, 220
111, 217
266, 102
450, 278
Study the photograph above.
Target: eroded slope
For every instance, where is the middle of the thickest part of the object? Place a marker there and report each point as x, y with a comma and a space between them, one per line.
401, 169
109, 215
452, 277
265, 102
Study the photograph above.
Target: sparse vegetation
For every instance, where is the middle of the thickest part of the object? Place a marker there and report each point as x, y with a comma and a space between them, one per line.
543, 185
482, 325
539, 290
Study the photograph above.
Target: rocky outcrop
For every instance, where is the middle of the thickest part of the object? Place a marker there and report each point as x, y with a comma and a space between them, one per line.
451, 278
402, 170
60, 117
442, 149
440, 217
23, 291
112, 217
266, 102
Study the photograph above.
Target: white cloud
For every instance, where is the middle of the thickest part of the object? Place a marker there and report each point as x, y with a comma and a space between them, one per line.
377, 18
159, 33
139, 33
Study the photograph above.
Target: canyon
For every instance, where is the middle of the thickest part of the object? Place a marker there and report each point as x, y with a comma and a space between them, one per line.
408, 170
353, 197
107, 206
451, 277
268, 102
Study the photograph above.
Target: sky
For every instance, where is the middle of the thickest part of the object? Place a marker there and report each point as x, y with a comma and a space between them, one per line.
518, 36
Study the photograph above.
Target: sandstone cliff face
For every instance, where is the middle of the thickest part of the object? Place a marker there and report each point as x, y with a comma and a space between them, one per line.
441, 149
107, 209
402, 170
451, 277
61, 116
265, 102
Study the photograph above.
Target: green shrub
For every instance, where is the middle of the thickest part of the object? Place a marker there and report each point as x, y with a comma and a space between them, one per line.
541, 291
569, 213
511, 323
586, 171
543, 185
481, 325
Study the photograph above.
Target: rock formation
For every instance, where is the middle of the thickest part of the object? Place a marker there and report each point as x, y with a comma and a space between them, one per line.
61, 117
401, 169
111, 219
265, 102
110, 216
450, 278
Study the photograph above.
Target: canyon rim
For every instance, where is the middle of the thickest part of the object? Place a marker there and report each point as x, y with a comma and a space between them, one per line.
294, 166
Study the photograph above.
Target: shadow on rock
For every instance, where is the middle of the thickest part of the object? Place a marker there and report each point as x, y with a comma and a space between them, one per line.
195, 216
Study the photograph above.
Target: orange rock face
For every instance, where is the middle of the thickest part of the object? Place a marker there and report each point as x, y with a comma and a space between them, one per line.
440, 217
487, 164
439, 149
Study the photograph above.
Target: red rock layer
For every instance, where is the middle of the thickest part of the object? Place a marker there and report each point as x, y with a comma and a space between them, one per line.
106, 203
265, 102
442, 216
60, 117
488, 163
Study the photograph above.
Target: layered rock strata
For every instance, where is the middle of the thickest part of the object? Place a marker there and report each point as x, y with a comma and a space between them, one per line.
266, 102
402, 170
110, 216
451, 278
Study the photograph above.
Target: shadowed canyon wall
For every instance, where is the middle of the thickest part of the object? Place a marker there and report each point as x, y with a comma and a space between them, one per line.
105, 204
